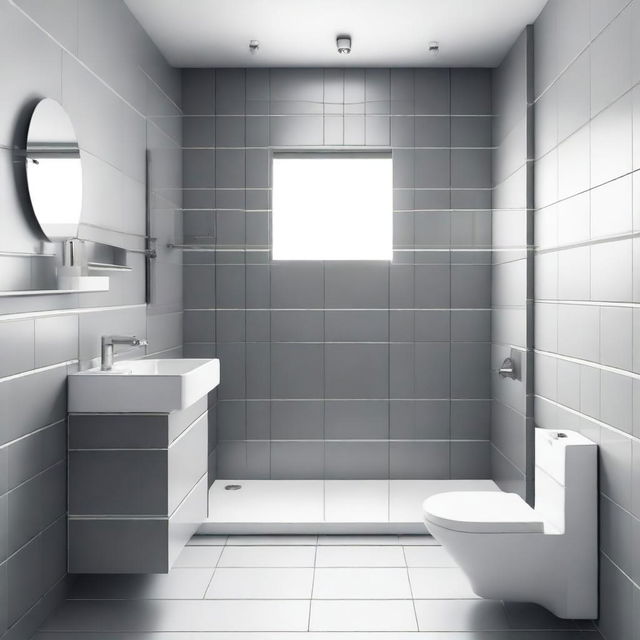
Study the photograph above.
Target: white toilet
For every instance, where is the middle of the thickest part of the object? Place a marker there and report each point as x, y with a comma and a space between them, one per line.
546, 555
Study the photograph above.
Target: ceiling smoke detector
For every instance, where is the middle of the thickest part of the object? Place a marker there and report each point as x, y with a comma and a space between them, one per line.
434, 48
344, 45
254, 45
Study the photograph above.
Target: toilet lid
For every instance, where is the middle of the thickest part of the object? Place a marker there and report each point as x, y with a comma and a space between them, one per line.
482, 512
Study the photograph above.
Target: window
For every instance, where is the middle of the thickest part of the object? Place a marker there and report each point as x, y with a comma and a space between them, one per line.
332, 206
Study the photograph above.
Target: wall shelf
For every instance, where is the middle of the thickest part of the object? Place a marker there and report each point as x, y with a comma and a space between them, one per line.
47, 292
192, 247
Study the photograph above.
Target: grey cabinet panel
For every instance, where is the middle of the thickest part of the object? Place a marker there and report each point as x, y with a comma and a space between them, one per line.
135, 545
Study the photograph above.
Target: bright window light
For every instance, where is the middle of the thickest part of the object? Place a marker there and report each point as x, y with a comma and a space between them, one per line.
332, 206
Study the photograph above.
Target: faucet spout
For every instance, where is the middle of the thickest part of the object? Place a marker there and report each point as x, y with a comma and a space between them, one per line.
108, 343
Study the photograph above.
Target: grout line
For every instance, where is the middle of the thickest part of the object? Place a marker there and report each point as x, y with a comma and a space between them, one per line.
313, 582
213, 573
588, 363
589, 303
413, 601
589, 418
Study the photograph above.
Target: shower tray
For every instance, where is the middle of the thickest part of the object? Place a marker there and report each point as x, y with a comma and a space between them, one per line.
239, 506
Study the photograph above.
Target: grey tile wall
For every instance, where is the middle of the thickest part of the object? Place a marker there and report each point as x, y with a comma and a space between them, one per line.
123, 99
587, 331
512, 268
343, 369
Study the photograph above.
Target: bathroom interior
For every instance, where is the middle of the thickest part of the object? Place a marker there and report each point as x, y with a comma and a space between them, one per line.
320, 320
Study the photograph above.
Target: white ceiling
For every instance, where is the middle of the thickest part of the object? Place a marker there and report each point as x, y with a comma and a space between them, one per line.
385, 33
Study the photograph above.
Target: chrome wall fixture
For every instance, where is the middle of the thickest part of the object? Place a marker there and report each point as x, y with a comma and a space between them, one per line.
510, 366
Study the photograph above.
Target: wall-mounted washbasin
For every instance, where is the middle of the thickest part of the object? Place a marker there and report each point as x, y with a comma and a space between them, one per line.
143, 386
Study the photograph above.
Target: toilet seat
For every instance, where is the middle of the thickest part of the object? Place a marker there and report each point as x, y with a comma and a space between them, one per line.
482, 512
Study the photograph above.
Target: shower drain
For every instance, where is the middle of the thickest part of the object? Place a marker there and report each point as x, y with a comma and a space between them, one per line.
232, 487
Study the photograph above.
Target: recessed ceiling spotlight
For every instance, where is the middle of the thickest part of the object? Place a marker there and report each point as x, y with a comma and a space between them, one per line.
344, 44
254, 45
434, 47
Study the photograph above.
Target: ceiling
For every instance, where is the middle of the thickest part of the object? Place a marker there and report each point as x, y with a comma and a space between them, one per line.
302, 33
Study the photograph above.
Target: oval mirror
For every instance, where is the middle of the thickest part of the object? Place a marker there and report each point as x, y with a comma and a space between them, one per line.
54, 171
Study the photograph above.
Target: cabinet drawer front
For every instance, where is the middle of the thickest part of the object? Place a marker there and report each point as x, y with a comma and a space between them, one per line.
187, 461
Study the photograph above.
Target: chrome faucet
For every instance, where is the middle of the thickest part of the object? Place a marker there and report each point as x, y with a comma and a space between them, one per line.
108, 343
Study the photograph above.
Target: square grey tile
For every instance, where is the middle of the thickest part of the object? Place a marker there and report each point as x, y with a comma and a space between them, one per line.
419, 459
356, 371
354, 285
297, 370
297, 460
353, 460
296, 285
297, 419
356, 419
356, 326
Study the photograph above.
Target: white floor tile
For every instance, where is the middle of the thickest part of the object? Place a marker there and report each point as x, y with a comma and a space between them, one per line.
406, 496
179, 584
460, 615
267, 501
356, 501
207, 541
295, 556
114, 618
360, 556
279, 541
362, 615
428, 557
362, 584
199, 556
371, 540
442, 584
261, 583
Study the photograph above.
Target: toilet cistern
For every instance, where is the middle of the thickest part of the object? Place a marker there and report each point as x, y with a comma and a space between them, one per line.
108, 342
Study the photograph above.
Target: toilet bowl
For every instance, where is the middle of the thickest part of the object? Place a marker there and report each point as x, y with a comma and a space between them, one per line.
511, 551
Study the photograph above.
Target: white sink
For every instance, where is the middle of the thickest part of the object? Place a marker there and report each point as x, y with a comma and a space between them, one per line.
143, 386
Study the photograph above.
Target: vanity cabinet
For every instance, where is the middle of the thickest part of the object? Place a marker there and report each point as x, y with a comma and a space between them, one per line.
137, 488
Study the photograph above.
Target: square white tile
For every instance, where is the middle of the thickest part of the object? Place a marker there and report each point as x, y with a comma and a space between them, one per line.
362, 615
356, 500
428, 556
361, 584
268, 556
198, 556
460, 615
440, 584
360, 556
261, 583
